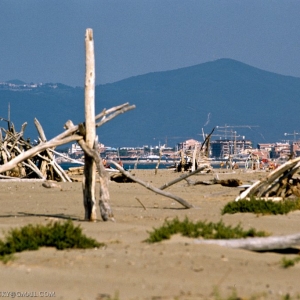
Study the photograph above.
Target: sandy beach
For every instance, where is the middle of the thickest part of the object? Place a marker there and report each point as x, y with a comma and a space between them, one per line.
129, 268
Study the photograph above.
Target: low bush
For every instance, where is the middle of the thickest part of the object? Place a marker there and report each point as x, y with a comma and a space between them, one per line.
58, 235
200, 229
286, 263
265, 207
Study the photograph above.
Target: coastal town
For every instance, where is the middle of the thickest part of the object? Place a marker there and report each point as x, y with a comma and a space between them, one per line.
219, 152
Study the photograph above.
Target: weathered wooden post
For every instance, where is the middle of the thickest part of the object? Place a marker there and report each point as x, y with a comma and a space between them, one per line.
89, 182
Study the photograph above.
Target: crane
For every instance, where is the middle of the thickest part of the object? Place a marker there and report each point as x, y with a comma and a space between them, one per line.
294, 134
226, 127
231, 135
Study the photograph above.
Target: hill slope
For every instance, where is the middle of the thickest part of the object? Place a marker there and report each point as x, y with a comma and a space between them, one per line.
173, 105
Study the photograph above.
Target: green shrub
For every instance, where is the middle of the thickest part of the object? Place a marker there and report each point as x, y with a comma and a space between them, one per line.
58, 235
200, 229
286, 263
265, 207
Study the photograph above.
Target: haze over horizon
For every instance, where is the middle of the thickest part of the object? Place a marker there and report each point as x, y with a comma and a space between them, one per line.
43, 41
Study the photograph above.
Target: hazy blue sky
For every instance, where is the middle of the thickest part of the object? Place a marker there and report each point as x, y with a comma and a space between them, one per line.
43, 40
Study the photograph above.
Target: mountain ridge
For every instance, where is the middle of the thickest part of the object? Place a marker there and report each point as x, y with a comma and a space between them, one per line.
172, 105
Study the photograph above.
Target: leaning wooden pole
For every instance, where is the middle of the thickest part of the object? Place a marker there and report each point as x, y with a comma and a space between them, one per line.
89, 181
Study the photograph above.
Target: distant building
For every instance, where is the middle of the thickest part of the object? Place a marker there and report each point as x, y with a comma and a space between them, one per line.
226, 147
74, 148
188, 144
277, 150
296, 148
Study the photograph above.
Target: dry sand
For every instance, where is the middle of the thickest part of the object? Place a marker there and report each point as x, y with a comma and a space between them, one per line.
132, 269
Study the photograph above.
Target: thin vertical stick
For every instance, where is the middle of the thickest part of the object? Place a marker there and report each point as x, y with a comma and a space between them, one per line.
89, 182
157, 165
194, 158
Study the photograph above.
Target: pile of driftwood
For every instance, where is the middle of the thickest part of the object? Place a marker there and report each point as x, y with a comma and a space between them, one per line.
20, 158
195, 157
40, 166
279, 184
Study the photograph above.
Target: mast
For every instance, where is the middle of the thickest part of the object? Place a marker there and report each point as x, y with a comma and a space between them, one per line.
8, 113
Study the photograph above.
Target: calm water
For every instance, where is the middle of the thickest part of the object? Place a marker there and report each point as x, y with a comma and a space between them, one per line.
127, 166
145, 166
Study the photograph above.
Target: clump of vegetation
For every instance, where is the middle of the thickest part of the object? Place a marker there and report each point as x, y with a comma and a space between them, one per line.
286, 263
233, 295
108, 297
59, 235
261, 206
200, 229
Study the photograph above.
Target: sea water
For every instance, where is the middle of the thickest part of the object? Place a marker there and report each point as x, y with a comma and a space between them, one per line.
126, 166
141, 165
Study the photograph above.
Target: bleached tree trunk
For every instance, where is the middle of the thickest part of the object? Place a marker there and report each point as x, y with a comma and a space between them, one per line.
89, 180
257, 243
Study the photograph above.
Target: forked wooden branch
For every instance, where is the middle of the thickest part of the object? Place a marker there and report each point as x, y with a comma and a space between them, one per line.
122, 109
150, 187
105, 112
105, 209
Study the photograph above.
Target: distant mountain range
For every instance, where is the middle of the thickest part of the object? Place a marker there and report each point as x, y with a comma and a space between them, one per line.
171, 106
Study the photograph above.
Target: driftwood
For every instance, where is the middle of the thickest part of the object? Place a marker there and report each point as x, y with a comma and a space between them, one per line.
279, 183
26, 155
65, 157
105, 210
194, 157
49, 185
49, 163
141, 203
150, 187
75, 171
256, 244
166, 185
224, 182
89, 178
72, 134
14, 163
31, 151
121, 178
19, 158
